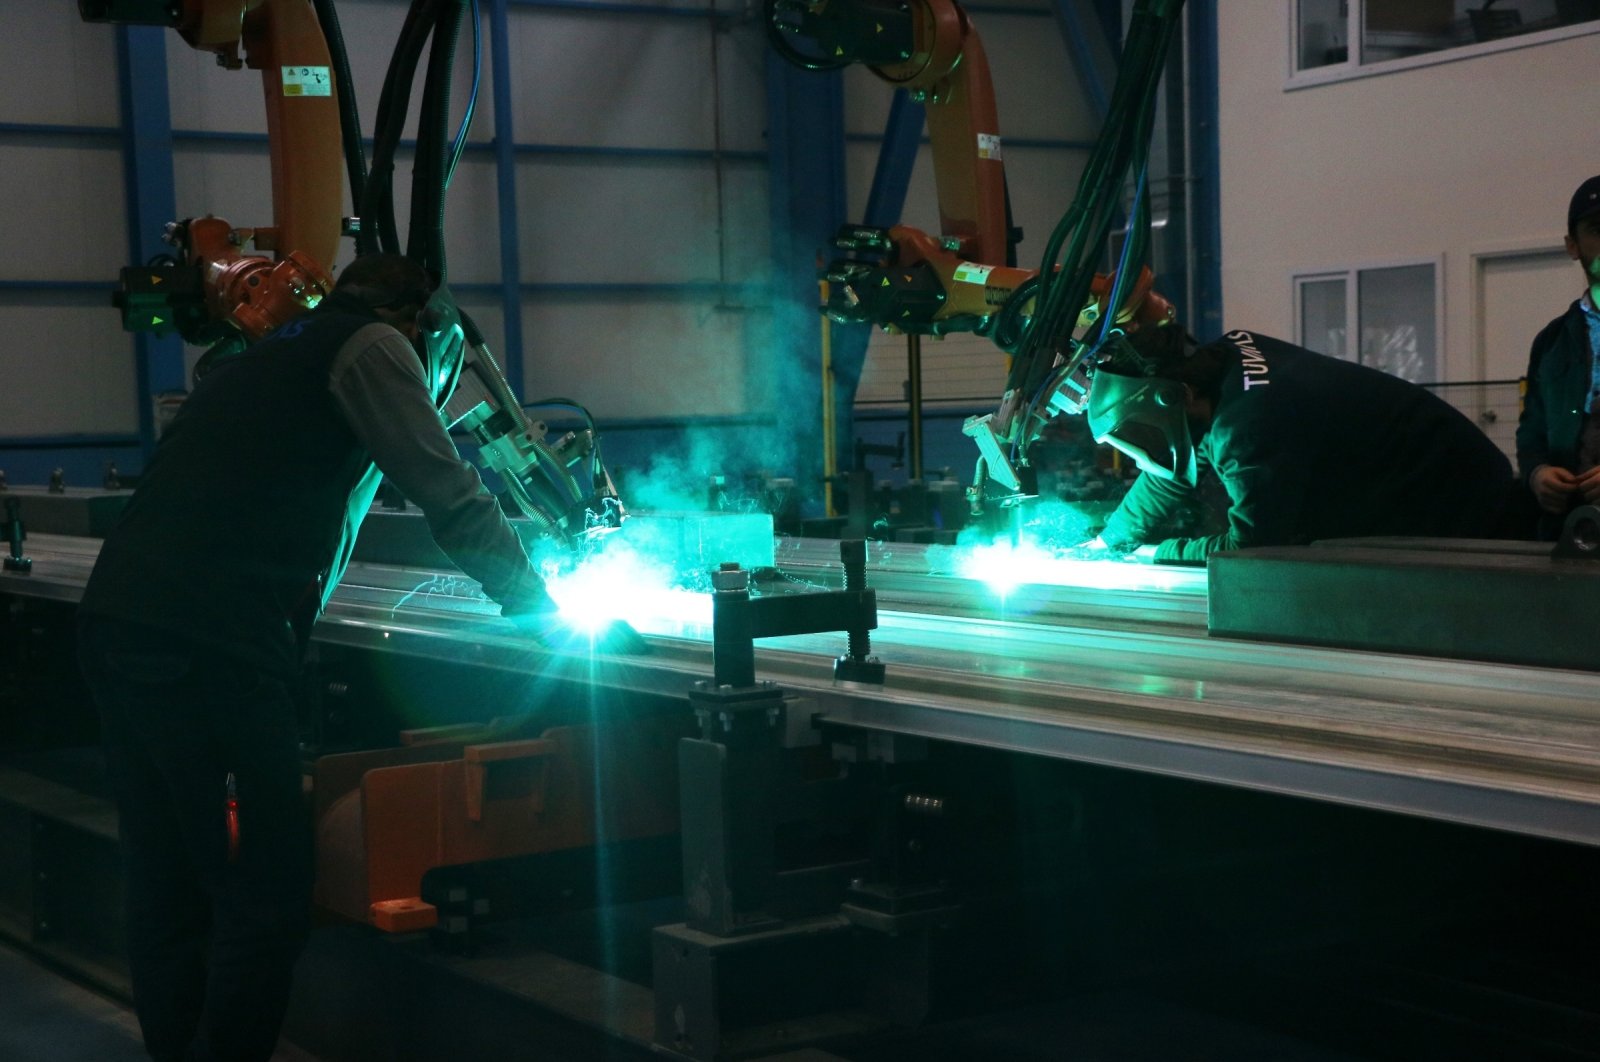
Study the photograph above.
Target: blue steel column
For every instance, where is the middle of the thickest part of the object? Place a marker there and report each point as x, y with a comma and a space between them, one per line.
805, 148
1205, 166
151, 200
505, 159
1076, 38
897, 156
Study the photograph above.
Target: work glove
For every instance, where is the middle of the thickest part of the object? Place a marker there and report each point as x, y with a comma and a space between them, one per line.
530, 602
1098, 548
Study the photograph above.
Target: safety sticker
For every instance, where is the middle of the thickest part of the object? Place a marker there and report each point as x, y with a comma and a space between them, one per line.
989, 146
968, 273
307, 81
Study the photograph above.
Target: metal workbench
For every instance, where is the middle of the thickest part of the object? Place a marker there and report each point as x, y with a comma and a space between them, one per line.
1124, 677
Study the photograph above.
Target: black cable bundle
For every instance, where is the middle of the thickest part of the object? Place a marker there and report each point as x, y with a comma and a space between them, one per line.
378, 231
425, 242
355, 161
1123, 147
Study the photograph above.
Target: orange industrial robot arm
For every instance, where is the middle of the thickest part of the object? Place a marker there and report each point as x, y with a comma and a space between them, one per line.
218, 290
902, 278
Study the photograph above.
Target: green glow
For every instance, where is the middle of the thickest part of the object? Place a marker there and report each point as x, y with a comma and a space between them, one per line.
1043, 550
1004, 566
693, 543
618, 583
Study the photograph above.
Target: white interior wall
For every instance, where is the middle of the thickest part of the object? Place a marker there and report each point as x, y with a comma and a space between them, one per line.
1449, 160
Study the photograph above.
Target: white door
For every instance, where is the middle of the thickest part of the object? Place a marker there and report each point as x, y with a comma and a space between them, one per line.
1517, 294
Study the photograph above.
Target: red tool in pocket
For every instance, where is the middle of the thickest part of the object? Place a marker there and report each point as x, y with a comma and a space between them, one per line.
233, 818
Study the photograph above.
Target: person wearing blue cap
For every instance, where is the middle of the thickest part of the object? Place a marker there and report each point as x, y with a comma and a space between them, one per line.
1558, 436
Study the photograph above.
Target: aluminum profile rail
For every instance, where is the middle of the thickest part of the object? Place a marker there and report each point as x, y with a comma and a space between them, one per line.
1502, 746
928, 579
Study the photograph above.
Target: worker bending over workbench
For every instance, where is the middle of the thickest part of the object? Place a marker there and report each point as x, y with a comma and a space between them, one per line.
198, 613
1306, 446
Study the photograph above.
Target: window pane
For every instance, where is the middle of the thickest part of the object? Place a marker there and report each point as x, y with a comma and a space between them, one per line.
1322, 33
1569, 12
1322, 317
1399, 333
1397, 28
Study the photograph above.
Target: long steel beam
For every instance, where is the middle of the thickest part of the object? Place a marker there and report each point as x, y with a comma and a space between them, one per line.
1507, 747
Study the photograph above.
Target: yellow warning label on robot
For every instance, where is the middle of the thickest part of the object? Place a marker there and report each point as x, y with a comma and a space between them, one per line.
307, 81
969, 273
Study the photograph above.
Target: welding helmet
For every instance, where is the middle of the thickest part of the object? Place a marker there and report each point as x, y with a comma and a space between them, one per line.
1144, 416
441, 344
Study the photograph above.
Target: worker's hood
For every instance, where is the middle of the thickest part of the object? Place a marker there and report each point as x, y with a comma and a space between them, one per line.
441, 344
1146, 418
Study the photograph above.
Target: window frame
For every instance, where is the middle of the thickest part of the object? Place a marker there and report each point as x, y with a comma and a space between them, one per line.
1352, 68
1298, 282
1351, 275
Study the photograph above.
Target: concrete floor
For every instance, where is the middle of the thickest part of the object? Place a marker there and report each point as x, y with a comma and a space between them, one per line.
47, 1017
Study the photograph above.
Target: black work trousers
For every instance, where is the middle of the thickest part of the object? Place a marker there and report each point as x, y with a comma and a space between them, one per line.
212, 938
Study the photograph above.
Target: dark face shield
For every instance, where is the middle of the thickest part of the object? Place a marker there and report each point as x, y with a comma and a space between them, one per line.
1144, 417
441, 343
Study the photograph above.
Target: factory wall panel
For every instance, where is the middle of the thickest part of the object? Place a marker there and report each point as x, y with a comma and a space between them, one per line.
1443, 160
58, 70
625, 81
67, 366
644, 356
741, 66
621, 183
63, 209
631, 220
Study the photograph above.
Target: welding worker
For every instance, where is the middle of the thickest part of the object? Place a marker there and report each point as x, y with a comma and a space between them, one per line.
1306, 446
1558, 435
197, 615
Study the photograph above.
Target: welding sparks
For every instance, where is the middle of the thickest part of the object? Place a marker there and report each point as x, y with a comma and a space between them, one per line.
1004, 566
445, 589
617, 583
1045, 547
